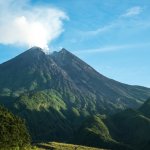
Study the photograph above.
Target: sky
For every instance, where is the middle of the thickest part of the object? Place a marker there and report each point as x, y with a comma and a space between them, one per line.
113, 36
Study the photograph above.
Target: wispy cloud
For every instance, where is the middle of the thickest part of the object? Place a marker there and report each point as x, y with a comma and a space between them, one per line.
111, 48
117, 23
101, 49
100, 30
133, 11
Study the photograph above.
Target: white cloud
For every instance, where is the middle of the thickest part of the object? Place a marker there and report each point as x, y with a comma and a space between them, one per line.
21, 23
133, 11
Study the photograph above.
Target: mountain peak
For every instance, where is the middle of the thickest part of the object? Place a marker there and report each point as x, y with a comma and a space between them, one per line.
35, 49
29, 56
64, 51
34, 52
63, 54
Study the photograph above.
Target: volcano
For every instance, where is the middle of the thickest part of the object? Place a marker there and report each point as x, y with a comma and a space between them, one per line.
55, 92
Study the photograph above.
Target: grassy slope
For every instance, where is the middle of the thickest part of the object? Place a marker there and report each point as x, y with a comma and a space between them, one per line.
63, 146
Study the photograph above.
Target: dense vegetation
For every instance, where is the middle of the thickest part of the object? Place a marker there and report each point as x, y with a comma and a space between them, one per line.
94, 132
128, 129
133, 129
13, 132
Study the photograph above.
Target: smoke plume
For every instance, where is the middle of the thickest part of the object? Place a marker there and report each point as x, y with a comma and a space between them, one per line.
23, 23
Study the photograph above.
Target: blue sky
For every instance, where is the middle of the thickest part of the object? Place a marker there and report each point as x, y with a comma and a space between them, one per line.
113, 36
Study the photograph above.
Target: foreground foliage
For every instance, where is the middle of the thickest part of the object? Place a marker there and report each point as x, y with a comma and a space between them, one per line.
13, 132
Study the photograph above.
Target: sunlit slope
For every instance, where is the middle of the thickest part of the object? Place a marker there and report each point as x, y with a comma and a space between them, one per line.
63, 146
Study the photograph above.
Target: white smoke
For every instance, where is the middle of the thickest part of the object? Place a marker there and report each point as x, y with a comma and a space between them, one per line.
21, 23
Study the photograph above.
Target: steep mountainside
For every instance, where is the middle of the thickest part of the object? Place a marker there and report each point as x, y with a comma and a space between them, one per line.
145, 108
71, 77
56, 92
133, 129
108, 92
